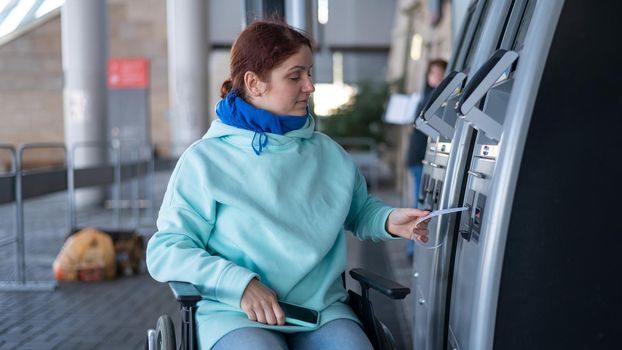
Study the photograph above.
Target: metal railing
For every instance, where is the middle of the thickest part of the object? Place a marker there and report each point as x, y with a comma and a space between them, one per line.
18, 184
7, 181
21, 283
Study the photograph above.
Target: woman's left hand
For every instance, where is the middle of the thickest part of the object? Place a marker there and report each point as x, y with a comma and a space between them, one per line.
401, 222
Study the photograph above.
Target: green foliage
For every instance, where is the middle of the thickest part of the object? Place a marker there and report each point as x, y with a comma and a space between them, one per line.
362, 117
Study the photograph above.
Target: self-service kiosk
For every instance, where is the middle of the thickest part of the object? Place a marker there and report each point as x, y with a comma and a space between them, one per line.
536, 254
443, 175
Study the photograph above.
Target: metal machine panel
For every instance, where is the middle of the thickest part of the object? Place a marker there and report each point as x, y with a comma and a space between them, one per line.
422, 272
497, 100
461, 306
444, 176
449, 114
468, 249
479, 251
557, 285
422, 327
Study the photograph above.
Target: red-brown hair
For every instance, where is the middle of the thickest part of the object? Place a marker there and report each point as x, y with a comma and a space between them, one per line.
259, 48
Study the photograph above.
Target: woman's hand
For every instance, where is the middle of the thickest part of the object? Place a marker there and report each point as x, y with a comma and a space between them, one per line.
401, 222
260, 304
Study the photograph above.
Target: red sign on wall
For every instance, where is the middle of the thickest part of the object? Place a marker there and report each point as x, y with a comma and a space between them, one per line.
128, 73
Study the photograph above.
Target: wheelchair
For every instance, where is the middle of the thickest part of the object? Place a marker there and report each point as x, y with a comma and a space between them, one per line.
163, 336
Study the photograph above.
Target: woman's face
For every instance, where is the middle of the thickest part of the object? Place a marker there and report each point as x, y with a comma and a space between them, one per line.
290, 85
435, 75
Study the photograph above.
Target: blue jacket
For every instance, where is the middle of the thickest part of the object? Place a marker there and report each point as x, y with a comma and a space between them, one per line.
229, 215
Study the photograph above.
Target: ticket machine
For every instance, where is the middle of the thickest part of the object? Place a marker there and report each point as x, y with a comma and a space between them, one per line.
443, 173
532, 270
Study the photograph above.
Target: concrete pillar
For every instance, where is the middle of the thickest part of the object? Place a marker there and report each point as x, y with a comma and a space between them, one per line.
188, 66
84, 57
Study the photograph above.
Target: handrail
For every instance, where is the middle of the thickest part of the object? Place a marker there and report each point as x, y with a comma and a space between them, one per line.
137, 166
20, 246
141, 158
34, 175
150, 178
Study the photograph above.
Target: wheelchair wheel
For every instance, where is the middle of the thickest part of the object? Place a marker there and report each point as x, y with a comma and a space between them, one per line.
165, 333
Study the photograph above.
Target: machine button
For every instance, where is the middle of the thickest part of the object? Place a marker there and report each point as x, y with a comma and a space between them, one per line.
485, 150
421, 301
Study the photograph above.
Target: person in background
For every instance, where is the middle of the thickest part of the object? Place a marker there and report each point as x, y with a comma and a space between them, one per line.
256, 211
418, 140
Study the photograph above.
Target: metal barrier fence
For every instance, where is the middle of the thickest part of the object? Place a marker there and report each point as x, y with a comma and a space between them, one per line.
7, 190
19, 184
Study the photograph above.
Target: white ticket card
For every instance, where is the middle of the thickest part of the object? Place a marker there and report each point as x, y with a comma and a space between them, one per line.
439, 213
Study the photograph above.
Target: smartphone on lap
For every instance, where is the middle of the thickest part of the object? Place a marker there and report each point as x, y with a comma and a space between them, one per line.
300, 315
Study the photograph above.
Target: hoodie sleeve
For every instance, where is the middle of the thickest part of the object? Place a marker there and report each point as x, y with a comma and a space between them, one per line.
179, 250
368, 214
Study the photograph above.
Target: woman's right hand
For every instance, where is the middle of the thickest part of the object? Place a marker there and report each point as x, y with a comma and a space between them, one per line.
261, 304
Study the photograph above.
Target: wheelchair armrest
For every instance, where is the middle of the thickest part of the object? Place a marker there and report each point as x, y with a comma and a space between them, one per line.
185, 293
387, 287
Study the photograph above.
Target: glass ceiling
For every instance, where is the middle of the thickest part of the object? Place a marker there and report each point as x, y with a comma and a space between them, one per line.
18, 14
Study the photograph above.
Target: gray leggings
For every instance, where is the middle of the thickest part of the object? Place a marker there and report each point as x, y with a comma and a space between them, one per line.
341, 334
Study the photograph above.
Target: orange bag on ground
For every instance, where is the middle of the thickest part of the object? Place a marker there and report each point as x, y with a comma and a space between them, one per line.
87, 255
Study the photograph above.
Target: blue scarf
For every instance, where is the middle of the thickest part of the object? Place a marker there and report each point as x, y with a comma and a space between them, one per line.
234, 111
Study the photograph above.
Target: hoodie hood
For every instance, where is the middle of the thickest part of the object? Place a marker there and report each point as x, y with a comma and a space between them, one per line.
244, 137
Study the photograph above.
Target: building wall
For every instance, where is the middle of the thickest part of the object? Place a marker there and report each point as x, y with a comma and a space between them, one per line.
414, 17
437, 43
31, 106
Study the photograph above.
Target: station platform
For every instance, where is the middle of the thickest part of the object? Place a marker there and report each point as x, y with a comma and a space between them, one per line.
116, 314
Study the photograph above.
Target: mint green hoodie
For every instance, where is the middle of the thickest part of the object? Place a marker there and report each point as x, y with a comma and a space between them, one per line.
229, 215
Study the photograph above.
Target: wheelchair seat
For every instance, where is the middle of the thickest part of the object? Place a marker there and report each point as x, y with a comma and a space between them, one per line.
163, 336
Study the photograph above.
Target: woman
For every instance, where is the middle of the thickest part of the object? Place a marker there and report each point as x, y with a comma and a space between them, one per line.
255, 210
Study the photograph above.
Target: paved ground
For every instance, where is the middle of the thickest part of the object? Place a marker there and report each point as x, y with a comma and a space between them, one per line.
116, 314
107, 315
